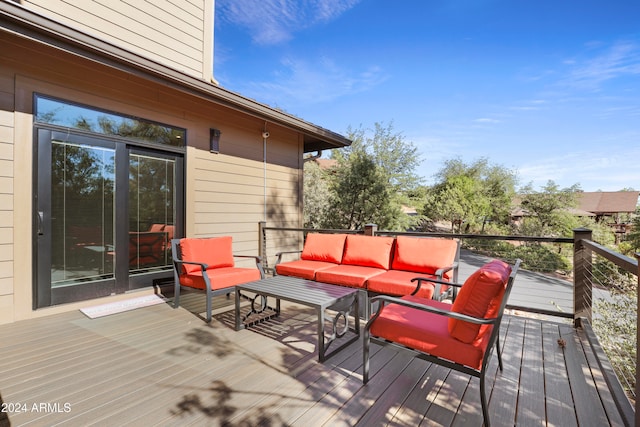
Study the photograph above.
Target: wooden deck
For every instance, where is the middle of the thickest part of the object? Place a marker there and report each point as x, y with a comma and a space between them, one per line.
160, 366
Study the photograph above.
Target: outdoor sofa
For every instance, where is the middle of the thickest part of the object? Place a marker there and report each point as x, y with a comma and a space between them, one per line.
376, 264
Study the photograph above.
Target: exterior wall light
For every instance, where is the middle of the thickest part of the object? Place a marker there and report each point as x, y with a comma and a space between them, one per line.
214, 140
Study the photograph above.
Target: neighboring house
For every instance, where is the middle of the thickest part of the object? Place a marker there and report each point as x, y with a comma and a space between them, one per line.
615, 208
114, 137
613, 205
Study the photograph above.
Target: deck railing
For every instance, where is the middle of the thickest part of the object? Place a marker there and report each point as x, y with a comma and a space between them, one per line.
601, 279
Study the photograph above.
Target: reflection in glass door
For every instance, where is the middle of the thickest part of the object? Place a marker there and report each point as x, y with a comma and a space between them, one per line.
105, 215
151, 212
82, 213
75, 218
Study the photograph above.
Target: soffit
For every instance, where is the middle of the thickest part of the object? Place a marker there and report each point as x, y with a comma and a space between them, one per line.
28, 24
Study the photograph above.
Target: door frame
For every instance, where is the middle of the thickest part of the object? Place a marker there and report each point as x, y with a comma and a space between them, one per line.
43, 293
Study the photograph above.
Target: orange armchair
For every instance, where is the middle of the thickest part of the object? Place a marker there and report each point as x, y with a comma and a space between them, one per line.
208, 264
459, 336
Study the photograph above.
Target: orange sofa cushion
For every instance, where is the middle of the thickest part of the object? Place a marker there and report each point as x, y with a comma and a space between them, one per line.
424, 255
368, 251
479, 296
216, 252
323, 247
353, 276
396, 282
302, 268
222, 277
427, 332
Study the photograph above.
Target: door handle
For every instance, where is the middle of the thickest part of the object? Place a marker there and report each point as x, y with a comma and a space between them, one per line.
40, 223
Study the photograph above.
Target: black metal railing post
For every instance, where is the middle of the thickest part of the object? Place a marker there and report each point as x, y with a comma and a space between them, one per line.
582, 287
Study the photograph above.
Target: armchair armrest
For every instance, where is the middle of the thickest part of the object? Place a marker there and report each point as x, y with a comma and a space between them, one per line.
438, 285
258, 261
178, 263
385, 299
279, 256
440, 272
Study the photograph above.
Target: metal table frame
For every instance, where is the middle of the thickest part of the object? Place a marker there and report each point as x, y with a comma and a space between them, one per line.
321, 296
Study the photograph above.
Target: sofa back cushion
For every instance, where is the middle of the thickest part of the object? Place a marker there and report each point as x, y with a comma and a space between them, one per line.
216, 252
368, 251
479, 296
423, 255
323, 247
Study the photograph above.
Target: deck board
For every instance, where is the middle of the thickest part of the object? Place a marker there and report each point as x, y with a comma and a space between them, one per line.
160, 366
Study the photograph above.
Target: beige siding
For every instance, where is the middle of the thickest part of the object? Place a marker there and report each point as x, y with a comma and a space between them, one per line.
6, 194
225, 193
177, 34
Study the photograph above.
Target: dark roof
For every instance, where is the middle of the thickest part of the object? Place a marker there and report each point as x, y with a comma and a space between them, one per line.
24, 22
608, 202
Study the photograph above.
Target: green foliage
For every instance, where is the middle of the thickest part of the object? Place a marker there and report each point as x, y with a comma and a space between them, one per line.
615, 322
471, 195
360, 195
633, 238
545, 258
316, 195
397, 158
374, 178
547, 212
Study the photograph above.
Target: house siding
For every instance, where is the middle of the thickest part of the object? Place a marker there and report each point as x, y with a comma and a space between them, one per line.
6, 195
177, 34
224, 193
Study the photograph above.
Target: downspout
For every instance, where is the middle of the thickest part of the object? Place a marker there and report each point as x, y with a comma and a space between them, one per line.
310, 158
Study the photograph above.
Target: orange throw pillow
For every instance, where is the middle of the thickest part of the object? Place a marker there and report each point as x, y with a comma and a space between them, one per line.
368, 251
477, 298
216, 252
323, 247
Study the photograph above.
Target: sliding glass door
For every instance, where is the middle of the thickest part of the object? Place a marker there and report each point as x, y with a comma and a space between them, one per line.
105, 214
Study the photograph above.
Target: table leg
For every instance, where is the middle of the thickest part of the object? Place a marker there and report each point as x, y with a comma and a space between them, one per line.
239, 324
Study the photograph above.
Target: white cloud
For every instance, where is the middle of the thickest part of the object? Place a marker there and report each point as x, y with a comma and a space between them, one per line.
486, 120
303, 82
274, 21
606, 170
618, 60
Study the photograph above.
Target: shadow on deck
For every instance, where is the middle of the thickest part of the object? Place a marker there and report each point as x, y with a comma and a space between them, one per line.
159, 366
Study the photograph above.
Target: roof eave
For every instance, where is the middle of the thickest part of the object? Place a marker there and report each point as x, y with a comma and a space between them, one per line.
21, 21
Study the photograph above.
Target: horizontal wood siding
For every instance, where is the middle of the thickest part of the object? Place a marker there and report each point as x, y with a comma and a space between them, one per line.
6, 193
229, 197
224, 192
171, 33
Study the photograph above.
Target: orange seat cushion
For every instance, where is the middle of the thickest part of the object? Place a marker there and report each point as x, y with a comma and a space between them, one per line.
353, 276
302, 268
323, 247
216, 252
368, 251
479, 296
222, 277
427, 332
396, 282
424, 255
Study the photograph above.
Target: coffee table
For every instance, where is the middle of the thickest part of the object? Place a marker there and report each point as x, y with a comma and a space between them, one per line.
321, 296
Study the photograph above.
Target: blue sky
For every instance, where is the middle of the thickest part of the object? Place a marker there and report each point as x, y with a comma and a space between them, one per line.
549, 89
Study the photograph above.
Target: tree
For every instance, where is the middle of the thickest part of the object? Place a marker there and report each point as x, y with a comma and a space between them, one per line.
633, 238
360, 195
396, 158
471, 195
316, 195
392, 162
548, 210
